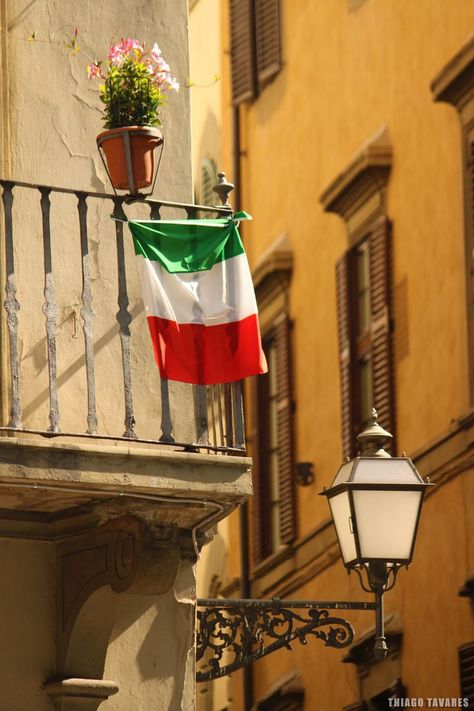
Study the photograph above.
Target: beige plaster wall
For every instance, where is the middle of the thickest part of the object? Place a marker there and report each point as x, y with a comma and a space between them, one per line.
27, 653
53, 118
48, 134
154, 656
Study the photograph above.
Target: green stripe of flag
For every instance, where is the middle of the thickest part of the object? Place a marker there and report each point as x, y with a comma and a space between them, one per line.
187, 245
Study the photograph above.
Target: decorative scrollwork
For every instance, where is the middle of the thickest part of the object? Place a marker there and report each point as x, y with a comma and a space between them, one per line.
233, 635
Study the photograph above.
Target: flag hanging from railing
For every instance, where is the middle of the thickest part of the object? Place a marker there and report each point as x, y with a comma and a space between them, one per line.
199, 299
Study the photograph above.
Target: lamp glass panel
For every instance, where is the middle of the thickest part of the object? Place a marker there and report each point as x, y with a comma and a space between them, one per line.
386, 522
343, 474
341, 514
385, 471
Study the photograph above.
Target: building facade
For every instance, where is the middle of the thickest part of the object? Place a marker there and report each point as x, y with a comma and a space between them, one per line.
348, 128
110, 479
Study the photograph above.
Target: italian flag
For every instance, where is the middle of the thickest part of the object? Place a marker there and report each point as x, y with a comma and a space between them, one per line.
199, 300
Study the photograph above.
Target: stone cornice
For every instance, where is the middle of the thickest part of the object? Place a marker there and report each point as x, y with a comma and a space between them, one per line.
365, 175
455, 82
276, 262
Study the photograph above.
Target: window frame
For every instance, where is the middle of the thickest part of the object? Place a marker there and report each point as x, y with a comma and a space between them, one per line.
374, 343
359, 195
272, 276
454, 84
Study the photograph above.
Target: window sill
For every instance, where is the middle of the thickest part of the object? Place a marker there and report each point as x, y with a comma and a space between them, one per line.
283, 553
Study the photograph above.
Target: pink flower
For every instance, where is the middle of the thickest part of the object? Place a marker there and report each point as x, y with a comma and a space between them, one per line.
156, 52
116, 55
93, 70
130, 45
162, 66
174, 84
118, 52
165, 81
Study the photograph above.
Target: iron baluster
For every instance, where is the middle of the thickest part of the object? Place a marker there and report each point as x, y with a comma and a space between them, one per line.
50, 311
12, 306
87, 315
124, 319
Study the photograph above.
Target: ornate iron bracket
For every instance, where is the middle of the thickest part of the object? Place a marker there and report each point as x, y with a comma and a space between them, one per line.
234, 633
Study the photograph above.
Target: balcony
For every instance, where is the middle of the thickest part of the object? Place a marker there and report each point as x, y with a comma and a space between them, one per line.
81, 397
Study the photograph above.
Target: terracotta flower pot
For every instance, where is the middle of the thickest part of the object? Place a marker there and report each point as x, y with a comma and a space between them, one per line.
129, 155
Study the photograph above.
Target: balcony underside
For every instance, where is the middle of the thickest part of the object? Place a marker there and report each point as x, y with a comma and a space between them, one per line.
50, 489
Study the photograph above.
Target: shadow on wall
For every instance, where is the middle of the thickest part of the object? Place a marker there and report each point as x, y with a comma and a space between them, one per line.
76, 365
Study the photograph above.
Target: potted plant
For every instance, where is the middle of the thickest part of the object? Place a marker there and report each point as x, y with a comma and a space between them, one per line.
133, 87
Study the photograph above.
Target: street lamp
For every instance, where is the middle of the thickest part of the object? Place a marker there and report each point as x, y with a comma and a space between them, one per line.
375, 503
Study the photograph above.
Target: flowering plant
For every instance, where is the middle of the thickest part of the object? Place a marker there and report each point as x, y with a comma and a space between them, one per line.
135, 83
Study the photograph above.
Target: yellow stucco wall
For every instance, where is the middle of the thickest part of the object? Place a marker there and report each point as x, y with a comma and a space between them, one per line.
345, 74
205, 80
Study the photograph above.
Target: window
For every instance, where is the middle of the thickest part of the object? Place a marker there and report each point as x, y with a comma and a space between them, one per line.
455, 85
363, 283
255, 46
273, 446
272, 410
466, 673
365, 348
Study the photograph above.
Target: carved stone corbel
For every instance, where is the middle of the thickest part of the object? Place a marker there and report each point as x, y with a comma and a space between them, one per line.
94, 569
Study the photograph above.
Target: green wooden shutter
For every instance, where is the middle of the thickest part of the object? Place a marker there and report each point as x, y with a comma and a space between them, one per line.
242, 50
344, 338
381, 335
267, 32
285, 432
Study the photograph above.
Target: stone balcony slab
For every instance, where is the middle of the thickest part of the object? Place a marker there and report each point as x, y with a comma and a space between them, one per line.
49, 488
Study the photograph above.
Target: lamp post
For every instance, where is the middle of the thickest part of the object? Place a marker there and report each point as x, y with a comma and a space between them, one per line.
375, 503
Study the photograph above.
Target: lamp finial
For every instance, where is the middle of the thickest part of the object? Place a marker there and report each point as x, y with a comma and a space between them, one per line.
373, 438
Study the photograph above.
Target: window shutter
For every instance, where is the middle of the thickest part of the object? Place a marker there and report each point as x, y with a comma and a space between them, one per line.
382, 359
466, 670
258, 523
267, 30
242, 43
344, 333
470, 261
285, 432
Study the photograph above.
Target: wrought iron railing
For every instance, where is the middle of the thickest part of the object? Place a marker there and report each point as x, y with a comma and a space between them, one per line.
53, 238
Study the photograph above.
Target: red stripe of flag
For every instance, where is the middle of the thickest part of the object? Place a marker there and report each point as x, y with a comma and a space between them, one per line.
204, 355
